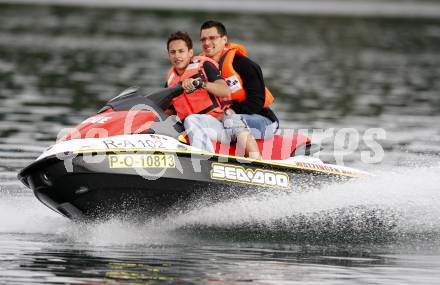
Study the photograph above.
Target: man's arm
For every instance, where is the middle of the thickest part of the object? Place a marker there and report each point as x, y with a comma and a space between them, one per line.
215, 84
253, 84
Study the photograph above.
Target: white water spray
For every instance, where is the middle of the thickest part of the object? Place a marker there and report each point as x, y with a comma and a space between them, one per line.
411, 195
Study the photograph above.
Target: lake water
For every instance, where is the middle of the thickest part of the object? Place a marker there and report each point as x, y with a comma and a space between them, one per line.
58, 65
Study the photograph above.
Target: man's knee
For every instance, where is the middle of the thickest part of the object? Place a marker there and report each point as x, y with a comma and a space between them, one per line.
193, 120
234, 125
260, 127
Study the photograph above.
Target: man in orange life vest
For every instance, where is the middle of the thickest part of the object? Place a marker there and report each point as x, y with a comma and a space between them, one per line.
205, 103
247, 108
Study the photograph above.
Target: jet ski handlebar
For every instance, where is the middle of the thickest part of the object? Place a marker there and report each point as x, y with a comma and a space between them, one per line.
198, 83
158, 99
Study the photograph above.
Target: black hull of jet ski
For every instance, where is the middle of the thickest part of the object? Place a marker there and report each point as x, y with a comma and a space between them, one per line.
99, 186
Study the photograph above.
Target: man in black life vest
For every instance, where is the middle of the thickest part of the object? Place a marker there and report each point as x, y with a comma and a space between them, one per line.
248, 104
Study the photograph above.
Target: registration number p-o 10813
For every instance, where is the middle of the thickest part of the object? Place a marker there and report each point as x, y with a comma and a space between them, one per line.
142, 161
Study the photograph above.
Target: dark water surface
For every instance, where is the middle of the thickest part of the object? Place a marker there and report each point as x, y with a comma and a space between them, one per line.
58, 65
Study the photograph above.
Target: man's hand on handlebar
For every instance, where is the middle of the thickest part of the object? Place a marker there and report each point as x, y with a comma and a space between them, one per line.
189, 85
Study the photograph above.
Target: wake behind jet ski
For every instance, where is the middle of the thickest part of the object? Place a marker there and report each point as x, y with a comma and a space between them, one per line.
130, 158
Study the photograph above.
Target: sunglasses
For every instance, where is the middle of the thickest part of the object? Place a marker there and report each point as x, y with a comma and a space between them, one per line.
210, 38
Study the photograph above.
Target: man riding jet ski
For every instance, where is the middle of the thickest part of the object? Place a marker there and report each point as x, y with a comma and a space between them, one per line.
248, 105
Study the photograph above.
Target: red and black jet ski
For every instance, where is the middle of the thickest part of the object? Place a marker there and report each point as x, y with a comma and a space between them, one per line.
130, 158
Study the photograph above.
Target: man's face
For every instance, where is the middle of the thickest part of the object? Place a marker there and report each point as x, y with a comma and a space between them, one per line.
212, 43
179, 54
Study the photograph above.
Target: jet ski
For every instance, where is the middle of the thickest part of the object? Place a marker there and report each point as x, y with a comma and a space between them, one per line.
130, 158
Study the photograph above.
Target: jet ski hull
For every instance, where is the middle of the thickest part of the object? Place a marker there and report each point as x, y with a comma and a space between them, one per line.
94, 185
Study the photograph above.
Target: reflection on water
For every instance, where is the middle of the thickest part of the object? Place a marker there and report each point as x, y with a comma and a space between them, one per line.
200, 262
60, 64
185, 264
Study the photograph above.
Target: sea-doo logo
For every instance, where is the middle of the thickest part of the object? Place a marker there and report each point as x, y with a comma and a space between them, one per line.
240, 174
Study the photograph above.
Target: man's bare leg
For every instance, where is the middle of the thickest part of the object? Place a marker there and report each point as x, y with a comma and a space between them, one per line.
247, 142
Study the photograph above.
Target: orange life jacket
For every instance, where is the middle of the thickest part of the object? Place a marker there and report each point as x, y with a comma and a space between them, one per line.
199, 101
233, 79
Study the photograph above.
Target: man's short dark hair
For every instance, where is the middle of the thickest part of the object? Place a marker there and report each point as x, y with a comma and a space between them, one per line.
180, 36
219, 26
